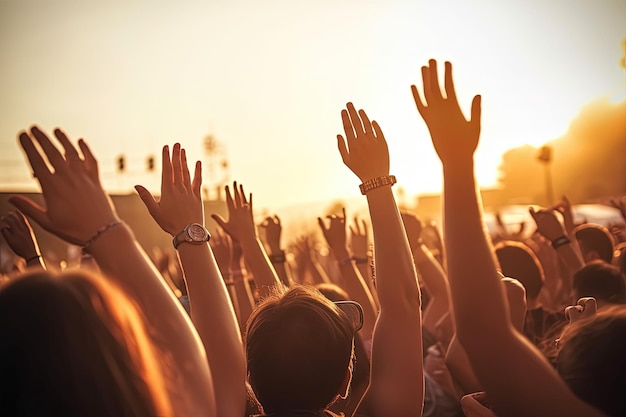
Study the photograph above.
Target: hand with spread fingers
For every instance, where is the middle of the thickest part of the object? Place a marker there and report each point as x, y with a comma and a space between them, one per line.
240, 222
181, 200
359, 242
364, 149
335, 233
76, 206
273, 230
454, 137
19, 235
547, 223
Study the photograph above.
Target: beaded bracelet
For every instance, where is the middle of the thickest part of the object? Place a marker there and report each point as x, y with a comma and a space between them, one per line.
99, 233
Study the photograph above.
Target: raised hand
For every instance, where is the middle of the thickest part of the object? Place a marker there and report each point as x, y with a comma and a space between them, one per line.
547, 223
565, 208
76, 206
181, 201
359, 242
364, 149
413, 226
273, 229
19, 235
240, 221
221, 246
586, 307
335, 233
454, 137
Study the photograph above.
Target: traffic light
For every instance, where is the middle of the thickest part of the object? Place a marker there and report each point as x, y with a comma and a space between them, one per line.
121, 163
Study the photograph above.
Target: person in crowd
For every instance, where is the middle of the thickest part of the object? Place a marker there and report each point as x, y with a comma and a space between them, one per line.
518, 380
595, 241
602, 281
115, 344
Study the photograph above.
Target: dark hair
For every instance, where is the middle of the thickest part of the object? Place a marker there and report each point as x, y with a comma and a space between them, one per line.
518, 261
299, 348
73, 345
591, 360
602, 281
594, 237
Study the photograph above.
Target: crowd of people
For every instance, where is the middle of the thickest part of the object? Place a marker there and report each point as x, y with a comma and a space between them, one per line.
397, 320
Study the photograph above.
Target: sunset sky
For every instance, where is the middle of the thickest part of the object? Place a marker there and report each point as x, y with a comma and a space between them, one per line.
269, 78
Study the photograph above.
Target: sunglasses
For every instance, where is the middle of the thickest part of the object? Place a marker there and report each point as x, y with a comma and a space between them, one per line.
353, 311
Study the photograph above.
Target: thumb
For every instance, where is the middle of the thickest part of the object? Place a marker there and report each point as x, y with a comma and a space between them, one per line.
32, 210
148, 201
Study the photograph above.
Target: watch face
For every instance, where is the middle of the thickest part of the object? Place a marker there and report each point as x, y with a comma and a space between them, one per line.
197, 233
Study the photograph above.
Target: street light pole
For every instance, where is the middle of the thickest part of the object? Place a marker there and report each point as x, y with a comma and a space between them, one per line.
545, 157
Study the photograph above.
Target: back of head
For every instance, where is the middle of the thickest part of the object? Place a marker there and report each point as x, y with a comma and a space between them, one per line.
602, 281
299, 349
518, 261
72, 345
595, 241
591, 360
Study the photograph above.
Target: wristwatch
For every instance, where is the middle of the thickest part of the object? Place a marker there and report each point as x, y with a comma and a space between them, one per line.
193, 233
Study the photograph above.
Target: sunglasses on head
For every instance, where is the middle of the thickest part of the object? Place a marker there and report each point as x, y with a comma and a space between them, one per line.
354, 313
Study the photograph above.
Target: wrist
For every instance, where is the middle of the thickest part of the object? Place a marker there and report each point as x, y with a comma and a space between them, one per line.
278, 257
560, 241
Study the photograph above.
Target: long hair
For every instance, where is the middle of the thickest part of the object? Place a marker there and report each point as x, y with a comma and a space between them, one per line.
75, 345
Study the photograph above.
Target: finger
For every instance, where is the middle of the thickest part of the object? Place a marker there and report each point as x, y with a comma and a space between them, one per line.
367, 125
149, 201
31, 209
378, 132
185, 169
476, 111
250, 202
343, 212
166, 169
276, 218
321, 224
428, 96
71, 154
353, 231
421, 106
435, 89
347, 127
230, 204
356, 120
221, 222
196, 184
52, 153
533, 213
37, 163
449, 82
91, 163
236, 195
177, 169
343, 150
244, 200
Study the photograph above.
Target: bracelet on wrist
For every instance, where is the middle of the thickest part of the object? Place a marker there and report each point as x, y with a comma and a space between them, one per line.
98, 233
560, 241
32, 258
346, 261
377, 182
360, 260
278, 258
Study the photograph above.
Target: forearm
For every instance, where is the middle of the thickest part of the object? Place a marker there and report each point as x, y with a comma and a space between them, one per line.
435, 279
260, 266
214, 317
245, 299
357, 290
397, 369
121, 259
471, 266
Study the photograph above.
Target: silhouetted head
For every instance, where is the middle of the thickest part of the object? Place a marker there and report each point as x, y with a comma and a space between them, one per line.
299, 348
602, 281
518, 261
591, 360
74, 345
595, 241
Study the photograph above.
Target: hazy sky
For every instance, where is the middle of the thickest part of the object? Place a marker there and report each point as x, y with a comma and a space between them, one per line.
269, 78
